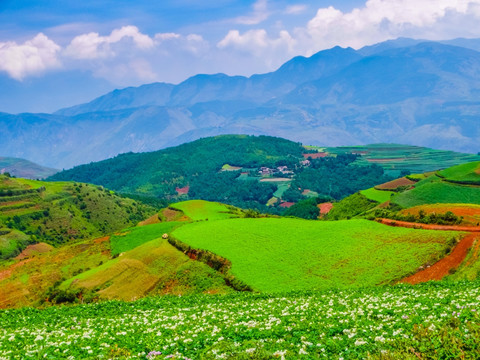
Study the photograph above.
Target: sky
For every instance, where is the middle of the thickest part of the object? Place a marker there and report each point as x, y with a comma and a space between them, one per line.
57, 53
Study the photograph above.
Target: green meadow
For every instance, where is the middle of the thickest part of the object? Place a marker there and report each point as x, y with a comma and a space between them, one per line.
205, 210
272, 254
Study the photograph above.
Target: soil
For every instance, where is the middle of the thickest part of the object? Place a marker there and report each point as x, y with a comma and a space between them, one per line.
394, 184
325, 207
450, 262
429, 226
444, 267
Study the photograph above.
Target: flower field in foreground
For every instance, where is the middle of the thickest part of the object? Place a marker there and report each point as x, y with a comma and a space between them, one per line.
434, 320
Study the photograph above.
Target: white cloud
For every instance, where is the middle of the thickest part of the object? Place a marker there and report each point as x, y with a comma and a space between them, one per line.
259, 14
380, 20
32, 57
295, 9
92, 45
272, 51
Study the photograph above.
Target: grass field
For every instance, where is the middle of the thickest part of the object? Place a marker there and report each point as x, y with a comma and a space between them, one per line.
291, 254
377, 195
155, 267
429, 321
205, 210
468, 173
433, 190
130, 238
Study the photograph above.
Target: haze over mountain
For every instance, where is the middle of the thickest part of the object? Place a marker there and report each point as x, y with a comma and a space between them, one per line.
402, 91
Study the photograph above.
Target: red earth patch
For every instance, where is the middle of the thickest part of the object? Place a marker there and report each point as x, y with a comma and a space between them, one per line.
325, 208
183, 190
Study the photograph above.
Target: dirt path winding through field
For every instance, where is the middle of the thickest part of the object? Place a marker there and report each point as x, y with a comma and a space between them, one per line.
443, 267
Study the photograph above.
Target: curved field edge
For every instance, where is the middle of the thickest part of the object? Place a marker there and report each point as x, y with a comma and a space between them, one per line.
205, 210
433, 190
433, 320
468, 173
292, 254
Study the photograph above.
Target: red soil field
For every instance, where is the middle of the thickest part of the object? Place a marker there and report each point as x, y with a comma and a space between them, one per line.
286, 204
443, 267
470, 214
394, 184
429, 226
183, 190
325, 208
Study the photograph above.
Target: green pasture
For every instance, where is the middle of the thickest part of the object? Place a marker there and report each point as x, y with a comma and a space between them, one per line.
204, 210
380, 196
273, 254
433, 190
468, 173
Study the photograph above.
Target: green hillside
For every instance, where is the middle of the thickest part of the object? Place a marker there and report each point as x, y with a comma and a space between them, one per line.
58, 212
290, 254
465, 173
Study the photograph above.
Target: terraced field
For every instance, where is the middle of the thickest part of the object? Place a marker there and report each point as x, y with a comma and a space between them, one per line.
394, 157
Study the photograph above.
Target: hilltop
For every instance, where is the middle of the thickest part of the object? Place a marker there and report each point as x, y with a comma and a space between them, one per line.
412, 92
56, 213
259, 172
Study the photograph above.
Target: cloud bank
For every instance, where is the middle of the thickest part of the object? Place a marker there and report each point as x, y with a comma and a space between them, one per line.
255, 42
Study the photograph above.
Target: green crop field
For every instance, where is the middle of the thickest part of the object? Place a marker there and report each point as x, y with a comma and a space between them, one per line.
433, 190
154, 267
395, 158
429, 321
205, 210
130, 238
377, 195
289, 254
467, 173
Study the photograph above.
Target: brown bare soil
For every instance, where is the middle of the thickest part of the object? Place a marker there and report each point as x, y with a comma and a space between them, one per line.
325, 208
450, 262
429, 226
443, 267
395, 184
151, 220
183, 190
470, 213
34, 249
174, 215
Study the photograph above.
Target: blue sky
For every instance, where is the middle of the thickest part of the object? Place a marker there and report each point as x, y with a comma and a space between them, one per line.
56, 53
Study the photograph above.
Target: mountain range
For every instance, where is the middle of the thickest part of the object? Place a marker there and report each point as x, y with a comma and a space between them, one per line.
403, 91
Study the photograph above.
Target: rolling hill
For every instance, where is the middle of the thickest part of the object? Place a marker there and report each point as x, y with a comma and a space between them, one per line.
417, 93
258, 172
59, 212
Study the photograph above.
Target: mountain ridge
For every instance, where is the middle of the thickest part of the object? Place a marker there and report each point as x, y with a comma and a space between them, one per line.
421, 93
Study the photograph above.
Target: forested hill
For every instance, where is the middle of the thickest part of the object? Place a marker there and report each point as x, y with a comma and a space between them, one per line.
259, 172
159, 173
